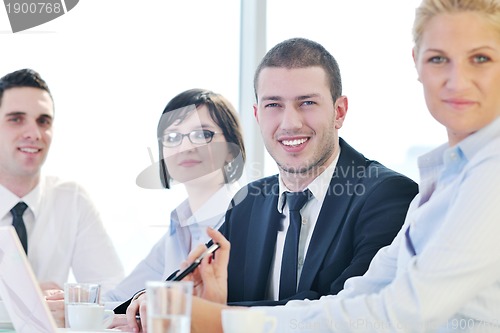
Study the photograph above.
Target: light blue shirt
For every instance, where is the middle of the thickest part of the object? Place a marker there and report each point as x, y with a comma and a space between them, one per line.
442, 271
187, 230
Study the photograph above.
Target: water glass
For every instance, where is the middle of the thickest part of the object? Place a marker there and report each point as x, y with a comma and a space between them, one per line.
169, 306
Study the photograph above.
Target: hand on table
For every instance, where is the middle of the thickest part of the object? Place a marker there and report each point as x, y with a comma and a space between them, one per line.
55, 301
54, 296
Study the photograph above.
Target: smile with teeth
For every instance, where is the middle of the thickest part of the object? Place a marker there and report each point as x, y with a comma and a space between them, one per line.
29, 150
294, 142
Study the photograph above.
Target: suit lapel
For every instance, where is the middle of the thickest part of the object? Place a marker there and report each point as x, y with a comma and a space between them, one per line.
266, 220
332, 212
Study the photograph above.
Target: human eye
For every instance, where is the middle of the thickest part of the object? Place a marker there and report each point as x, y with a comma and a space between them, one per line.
15, 118
437, 59
170, 138
308, 103
201, 135
45, 121
480, 58
271, 105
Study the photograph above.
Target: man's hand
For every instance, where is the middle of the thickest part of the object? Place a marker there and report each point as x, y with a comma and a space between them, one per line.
54, 296
137, 306
55, 301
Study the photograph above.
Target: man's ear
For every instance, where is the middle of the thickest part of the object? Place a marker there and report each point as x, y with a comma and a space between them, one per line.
341, 106
255, 113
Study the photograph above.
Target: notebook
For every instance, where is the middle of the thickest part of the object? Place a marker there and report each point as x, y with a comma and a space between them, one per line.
20, 291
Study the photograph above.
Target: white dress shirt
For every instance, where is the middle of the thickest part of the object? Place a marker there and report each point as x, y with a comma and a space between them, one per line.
309, 213
187, 230
65, 232
442, 271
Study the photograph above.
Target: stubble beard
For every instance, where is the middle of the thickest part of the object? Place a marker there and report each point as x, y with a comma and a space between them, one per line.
316, 167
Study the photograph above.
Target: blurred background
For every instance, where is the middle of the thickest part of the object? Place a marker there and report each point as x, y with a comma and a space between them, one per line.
113, 65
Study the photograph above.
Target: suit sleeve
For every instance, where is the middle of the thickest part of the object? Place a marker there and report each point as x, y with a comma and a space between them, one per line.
380, 217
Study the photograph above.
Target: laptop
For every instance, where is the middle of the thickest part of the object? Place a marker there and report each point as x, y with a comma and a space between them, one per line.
20, 291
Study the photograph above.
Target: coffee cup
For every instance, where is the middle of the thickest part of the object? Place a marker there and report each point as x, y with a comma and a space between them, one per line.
83, 310
88, 316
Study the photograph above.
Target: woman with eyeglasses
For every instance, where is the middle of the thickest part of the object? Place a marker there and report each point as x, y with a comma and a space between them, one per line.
201, 147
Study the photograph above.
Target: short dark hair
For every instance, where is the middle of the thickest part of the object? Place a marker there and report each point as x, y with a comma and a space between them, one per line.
223, 114
23, 78
300, 53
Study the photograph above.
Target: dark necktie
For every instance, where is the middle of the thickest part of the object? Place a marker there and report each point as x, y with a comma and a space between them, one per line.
288, 276
18, 223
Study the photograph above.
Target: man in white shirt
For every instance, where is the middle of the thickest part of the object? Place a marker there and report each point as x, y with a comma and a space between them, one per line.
63, 227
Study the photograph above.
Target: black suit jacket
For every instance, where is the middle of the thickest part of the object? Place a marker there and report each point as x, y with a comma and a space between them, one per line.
363, 210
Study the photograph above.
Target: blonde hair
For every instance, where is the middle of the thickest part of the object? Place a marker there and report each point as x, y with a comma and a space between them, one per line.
489, 9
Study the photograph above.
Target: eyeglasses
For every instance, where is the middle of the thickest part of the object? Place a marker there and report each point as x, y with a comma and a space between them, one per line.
197, 137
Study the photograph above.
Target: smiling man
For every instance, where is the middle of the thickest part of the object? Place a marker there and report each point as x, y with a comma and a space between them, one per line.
56, 221
354, 205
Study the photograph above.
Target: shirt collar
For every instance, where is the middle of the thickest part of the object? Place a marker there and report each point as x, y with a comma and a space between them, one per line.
318, 187
445, 160
468, 147
9, 199
474, 142
218, 203
214, 208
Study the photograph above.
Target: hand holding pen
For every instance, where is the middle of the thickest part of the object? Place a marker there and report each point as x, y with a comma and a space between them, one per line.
208, 252
210, 279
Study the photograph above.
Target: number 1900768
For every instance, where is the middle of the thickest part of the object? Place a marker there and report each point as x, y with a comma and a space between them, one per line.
33, 8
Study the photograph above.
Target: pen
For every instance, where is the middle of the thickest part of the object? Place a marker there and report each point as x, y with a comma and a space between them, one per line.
196, 263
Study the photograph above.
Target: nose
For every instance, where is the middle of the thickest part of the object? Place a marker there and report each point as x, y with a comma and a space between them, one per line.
292, 118
458, 76
32, 131
185, 144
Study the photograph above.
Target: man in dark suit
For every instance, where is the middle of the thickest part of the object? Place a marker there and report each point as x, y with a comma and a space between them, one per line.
357, 205
362, 211
353, 206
